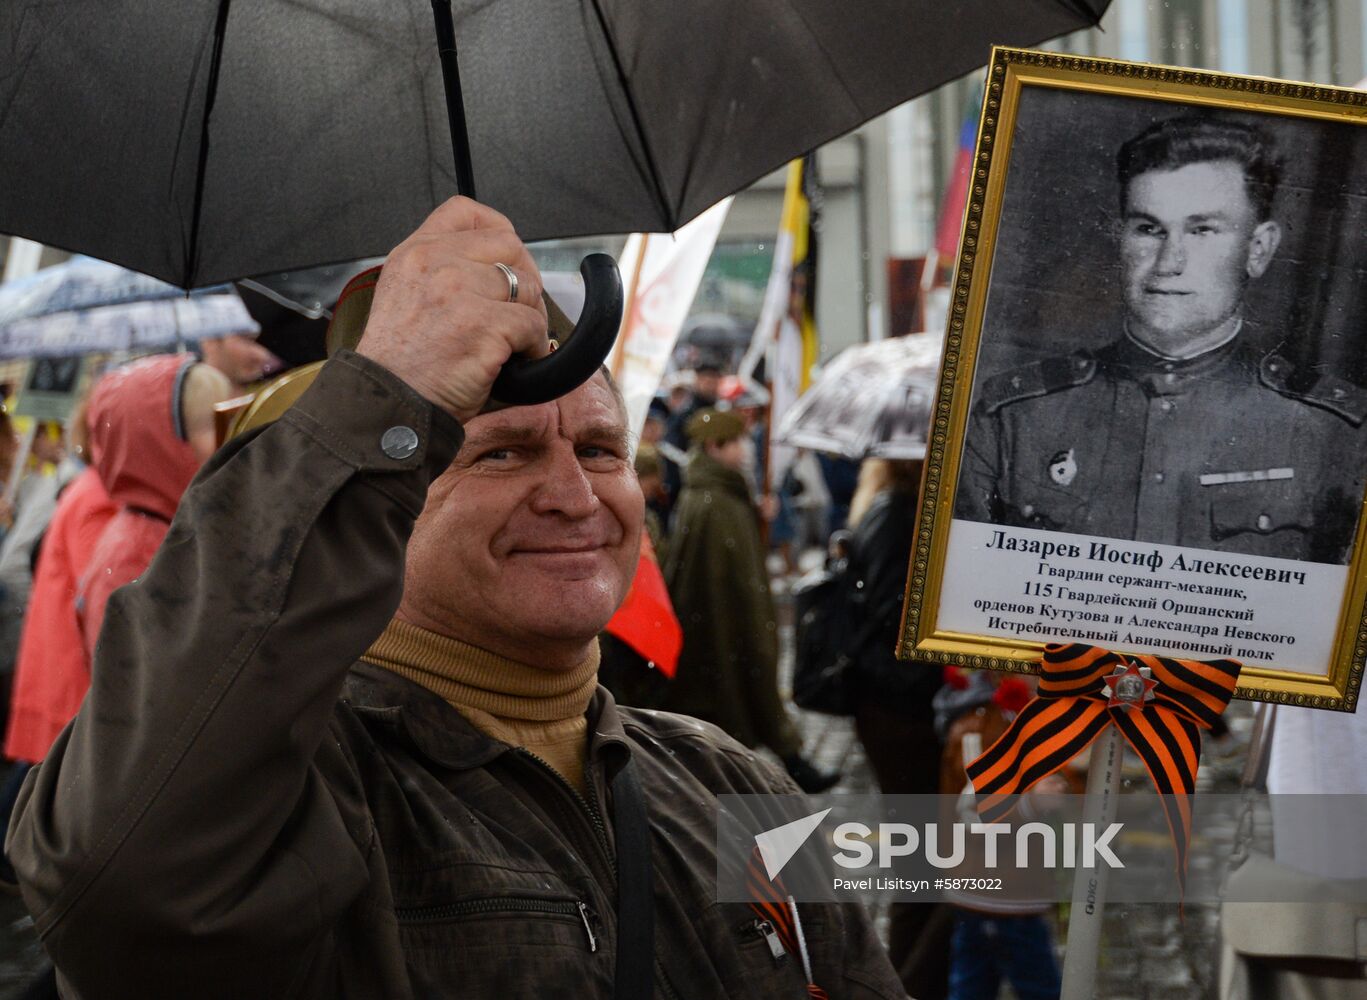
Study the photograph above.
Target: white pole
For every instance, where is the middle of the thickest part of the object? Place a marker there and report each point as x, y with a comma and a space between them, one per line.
16, 471
23, 258
1083, 948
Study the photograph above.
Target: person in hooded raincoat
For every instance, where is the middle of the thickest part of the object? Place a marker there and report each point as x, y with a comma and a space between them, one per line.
728, 669
52, 672
152, 427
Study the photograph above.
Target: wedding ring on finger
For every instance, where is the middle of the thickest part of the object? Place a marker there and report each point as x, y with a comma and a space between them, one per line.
511, 275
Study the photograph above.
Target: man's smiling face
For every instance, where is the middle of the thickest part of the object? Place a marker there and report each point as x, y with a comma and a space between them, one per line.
529, 541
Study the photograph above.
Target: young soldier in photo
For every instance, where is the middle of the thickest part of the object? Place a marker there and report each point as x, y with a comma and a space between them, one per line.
1177, 429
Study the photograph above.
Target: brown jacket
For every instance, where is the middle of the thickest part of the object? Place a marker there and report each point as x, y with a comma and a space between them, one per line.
242, 811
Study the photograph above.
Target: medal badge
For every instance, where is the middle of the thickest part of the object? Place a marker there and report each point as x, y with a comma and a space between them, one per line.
1129, 687
1063, 468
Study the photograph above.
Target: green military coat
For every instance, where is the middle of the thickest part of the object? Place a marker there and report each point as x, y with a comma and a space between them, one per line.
728, 670
1231, 451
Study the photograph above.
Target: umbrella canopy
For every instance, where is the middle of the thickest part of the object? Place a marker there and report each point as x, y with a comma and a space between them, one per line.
205, 141
871, 401
85, 305
716, 331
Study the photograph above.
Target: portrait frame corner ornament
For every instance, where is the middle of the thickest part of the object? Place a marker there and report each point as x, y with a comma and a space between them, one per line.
996, 571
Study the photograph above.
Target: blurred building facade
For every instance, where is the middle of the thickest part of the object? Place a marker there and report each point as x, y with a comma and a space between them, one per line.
884, 184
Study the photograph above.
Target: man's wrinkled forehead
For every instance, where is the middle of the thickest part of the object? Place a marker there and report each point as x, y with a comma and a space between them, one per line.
593, 409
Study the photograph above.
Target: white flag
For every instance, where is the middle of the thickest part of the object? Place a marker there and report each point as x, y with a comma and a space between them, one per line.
662, 272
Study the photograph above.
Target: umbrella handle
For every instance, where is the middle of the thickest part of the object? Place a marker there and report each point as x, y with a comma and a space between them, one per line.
524, 382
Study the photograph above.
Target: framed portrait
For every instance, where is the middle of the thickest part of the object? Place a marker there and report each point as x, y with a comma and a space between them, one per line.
1151, 427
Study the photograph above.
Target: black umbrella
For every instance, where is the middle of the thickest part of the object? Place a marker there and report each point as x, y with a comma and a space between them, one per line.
715, 331
209, 140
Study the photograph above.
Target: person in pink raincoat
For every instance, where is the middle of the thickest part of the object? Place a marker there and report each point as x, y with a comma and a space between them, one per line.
53, 670
151, 428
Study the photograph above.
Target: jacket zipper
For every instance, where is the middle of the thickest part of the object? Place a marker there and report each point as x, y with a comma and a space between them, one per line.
601, 836
595, 817
665, 985
777, 952
584, 913
504, 904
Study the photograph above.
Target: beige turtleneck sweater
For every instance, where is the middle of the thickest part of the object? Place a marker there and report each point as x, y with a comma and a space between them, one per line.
523, 706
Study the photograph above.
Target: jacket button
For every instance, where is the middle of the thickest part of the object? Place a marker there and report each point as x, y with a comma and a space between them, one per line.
399, 442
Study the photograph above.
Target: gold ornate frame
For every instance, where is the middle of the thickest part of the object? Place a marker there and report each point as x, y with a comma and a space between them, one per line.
1010, 71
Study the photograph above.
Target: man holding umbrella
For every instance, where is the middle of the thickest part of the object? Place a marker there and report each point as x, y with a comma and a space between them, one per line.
242, 809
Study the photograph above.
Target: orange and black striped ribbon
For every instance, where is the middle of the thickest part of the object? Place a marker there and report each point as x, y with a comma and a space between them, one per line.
770, 900
1071, 711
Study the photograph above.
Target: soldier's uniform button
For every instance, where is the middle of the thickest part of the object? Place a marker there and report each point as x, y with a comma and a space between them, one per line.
1170, 378
1166, 406
1028, 510
1158, 477
1167, 367
399, 442
1264, 522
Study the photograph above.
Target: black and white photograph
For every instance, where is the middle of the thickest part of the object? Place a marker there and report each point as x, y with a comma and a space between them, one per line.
1156, 375
1172, 349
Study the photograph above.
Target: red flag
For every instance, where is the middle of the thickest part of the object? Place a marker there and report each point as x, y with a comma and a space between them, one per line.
646, 621
956, 193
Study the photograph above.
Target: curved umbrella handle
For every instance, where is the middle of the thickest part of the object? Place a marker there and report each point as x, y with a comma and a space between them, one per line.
523, 382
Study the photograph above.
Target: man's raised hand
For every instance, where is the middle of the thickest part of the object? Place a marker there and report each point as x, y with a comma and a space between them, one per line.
441, 319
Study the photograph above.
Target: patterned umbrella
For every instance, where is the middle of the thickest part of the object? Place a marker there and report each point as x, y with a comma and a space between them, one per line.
872, 400
85, 305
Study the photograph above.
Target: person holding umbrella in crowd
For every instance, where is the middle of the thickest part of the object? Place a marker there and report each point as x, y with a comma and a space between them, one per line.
242, 809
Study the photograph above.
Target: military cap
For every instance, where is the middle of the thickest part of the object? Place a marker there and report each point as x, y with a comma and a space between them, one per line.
714, 425
648, 462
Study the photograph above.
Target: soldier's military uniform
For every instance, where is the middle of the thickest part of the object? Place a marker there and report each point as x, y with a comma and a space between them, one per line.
1227, 451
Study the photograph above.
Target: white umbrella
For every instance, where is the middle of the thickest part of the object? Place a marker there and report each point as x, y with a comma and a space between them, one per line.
871, 400
85, 305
